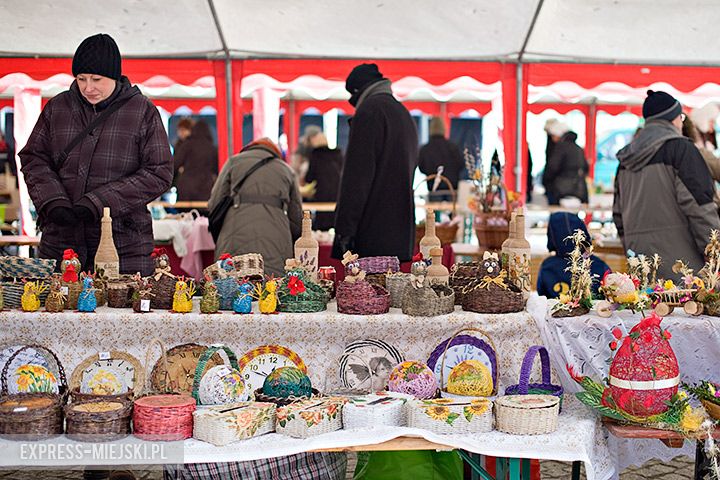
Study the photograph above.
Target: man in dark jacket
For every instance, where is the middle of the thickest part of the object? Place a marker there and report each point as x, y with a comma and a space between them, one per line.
566, 167
124, 163
663, 190
375, 213
439, 151
554, 277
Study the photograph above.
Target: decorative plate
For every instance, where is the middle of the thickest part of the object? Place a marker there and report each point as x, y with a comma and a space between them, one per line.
33, 379
182, 362
29, 356
259, 362
107, 373
463, 347
379, 356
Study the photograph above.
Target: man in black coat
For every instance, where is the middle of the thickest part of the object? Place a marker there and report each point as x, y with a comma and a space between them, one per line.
566, 169
375, 213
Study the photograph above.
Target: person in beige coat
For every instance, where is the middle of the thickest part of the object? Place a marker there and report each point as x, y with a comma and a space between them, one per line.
266, 217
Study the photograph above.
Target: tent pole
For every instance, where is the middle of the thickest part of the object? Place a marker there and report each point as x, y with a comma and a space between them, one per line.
518, 127
229, 103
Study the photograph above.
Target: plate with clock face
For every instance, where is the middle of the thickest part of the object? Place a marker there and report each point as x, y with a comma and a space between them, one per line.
379, 356
463, 347
107, 373
259, 362
182, 361
29, 356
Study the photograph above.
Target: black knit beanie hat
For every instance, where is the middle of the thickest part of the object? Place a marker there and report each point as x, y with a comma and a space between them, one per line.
360, 77
98, 55
661, 106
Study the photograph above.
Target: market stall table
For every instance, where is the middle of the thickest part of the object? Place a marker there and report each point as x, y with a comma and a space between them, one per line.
584, 343
579, 438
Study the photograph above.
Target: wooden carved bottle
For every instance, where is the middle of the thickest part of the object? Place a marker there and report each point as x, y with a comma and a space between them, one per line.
429, 240
437, 273
516, 255
307, 248
106, 258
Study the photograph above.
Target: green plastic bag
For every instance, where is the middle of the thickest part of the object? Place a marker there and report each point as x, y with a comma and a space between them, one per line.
409, 465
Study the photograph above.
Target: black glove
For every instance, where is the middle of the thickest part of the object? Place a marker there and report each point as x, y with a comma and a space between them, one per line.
342, 244
62, 216
84, 214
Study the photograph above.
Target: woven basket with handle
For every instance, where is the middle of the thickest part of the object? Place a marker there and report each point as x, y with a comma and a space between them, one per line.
524, 387
208, 391
362, 298
76, 378
494, 371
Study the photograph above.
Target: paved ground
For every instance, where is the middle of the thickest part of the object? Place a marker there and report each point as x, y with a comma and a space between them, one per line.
680, 468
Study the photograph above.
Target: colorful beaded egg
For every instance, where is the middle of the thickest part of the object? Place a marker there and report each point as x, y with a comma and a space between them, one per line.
413, 378
287, 381
470, 378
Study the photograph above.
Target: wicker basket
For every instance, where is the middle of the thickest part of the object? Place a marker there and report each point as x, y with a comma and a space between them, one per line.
283, 401
55, 368
163, 288
461, 275
493, 299
713, 409
446, 232
491, 236
119, 294
249, 265
221, 384
447, 416
227, 291
23, 267
308, 418
494, 363
224, 424
544, 388
76, 379
164, 417
428, 301
313, 299
362, 298
527, 414
13, 290
396, 284
376, 410
379, 264
98, 420
31, 416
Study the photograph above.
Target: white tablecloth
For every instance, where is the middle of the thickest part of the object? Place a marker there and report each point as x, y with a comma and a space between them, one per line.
319, 338
579, 437
584, 342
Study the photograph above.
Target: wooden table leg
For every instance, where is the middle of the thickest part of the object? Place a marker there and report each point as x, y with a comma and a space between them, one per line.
474, 463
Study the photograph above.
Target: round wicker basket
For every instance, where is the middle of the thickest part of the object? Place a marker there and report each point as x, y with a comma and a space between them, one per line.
98, 420
527, 414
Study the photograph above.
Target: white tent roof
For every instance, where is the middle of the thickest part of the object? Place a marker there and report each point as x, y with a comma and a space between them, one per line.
661, 31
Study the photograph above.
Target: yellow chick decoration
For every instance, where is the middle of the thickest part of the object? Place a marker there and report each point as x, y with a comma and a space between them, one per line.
182, 298
267, 298
30, 299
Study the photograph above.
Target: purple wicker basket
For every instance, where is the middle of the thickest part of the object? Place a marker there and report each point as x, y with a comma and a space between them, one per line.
362, 298
527, 388
379, 264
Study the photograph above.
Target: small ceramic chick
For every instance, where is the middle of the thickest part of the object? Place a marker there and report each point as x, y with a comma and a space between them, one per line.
87, 301
267, 297
243, 300
30, 299
182, 298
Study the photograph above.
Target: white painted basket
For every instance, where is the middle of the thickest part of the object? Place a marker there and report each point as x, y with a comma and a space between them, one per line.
311, 417
449, 416
224, 424
527, 414
375, 410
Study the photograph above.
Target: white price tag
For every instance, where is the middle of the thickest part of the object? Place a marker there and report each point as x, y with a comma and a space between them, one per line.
104, 355
20, 409
144, 305
65, 290
224, 372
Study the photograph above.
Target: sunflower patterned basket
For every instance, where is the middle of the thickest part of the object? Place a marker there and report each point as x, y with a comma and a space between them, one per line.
308, 418
449, 416
376, 409
224, 424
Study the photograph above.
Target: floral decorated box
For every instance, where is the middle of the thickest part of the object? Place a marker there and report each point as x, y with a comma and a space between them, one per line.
376, 409
310, 417
449, 416
224, 424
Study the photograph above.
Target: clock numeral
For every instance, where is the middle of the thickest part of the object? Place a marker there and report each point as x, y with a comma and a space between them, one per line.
261, 361
273, 359
247, 376
254, 367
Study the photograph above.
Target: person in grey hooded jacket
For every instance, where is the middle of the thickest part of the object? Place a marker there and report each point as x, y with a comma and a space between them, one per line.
663, 190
